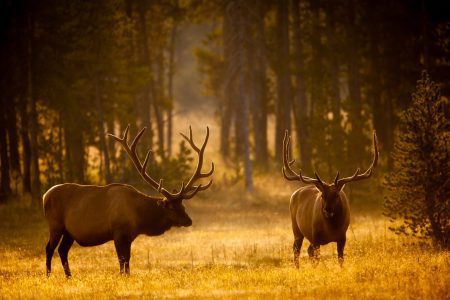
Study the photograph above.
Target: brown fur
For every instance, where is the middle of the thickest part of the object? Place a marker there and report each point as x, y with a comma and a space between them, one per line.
320, 211
321, 217
92, 215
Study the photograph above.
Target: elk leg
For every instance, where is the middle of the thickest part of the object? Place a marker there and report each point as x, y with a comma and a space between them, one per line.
311, 251
55, 236
296, 248
340, 249
123, 249
63, 250
298, 241
314, 252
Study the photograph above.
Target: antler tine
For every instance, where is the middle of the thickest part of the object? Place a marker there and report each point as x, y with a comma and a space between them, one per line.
209, 173
160, 185
195, 191
144, 166
190, 187
131, 151
336, 179
200, 187
306, 179
206, 138
287, 165
122, 139
136, 139
183, 193
190, 140
318, 178
356, 176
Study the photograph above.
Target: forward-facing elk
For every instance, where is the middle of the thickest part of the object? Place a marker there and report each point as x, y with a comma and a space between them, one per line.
92, 215
320, 211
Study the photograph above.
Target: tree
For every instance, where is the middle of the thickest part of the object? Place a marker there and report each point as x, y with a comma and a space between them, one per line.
283, 121
419, 186
239, 34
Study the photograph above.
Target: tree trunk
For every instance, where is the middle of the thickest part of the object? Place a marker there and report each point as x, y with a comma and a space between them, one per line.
170, 87
283, 121
227, 107
34, 126
238, 30
301, 105
144, 102
101, 130
26, 147
356, 138
74, 151
60, 157
243, 112
337, 133
158, 102
5, 181
13, 142
259, 109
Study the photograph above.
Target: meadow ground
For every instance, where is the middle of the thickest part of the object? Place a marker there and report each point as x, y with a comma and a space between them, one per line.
238, 247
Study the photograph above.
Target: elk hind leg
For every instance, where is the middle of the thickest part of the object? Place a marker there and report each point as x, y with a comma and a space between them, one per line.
298, 241
314, 253
63, 250
55, 236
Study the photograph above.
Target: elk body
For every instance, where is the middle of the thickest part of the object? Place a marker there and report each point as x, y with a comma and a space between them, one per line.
93, 215
320, 212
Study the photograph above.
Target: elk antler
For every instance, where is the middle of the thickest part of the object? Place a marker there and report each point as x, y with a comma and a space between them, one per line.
187, 191
290, 174
339, 183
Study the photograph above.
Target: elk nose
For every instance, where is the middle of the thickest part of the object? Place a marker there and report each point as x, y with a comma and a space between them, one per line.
188, 223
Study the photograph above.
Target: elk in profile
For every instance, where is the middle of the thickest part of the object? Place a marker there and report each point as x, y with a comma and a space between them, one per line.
320, 211
92, 215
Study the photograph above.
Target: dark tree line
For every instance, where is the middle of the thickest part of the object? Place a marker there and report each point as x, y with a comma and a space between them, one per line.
329, 71
74, 70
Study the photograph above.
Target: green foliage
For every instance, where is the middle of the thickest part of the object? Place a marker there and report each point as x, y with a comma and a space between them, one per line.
419, 185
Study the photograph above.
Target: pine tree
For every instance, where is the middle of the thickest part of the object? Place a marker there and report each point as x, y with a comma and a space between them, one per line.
419, 186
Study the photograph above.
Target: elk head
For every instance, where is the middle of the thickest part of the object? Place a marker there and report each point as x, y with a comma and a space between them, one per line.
171, 202
330, 193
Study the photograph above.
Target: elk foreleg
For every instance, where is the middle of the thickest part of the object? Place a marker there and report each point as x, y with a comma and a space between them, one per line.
314, 253
55, 236
123, 249
340, 249
63, 250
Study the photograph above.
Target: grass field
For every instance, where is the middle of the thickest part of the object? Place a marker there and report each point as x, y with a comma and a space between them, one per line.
237, 248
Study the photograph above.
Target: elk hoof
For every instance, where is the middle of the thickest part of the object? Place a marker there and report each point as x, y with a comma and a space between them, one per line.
341, 261
314, 261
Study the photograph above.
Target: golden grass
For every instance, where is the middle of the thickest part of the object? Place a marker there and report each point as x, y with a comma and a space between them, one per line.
237, 248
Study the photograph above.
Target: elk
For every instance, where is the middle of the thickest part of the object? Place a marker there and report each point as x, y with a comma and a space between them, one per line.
320, 211
93, 215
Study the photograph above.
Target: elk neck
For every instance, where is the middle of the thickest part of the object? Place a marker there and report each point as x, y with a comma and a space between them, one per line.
339, 214
153, 219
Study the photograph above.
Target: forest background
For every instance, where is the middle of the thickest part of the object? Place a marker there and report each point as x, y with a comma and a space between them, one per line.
328, 71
